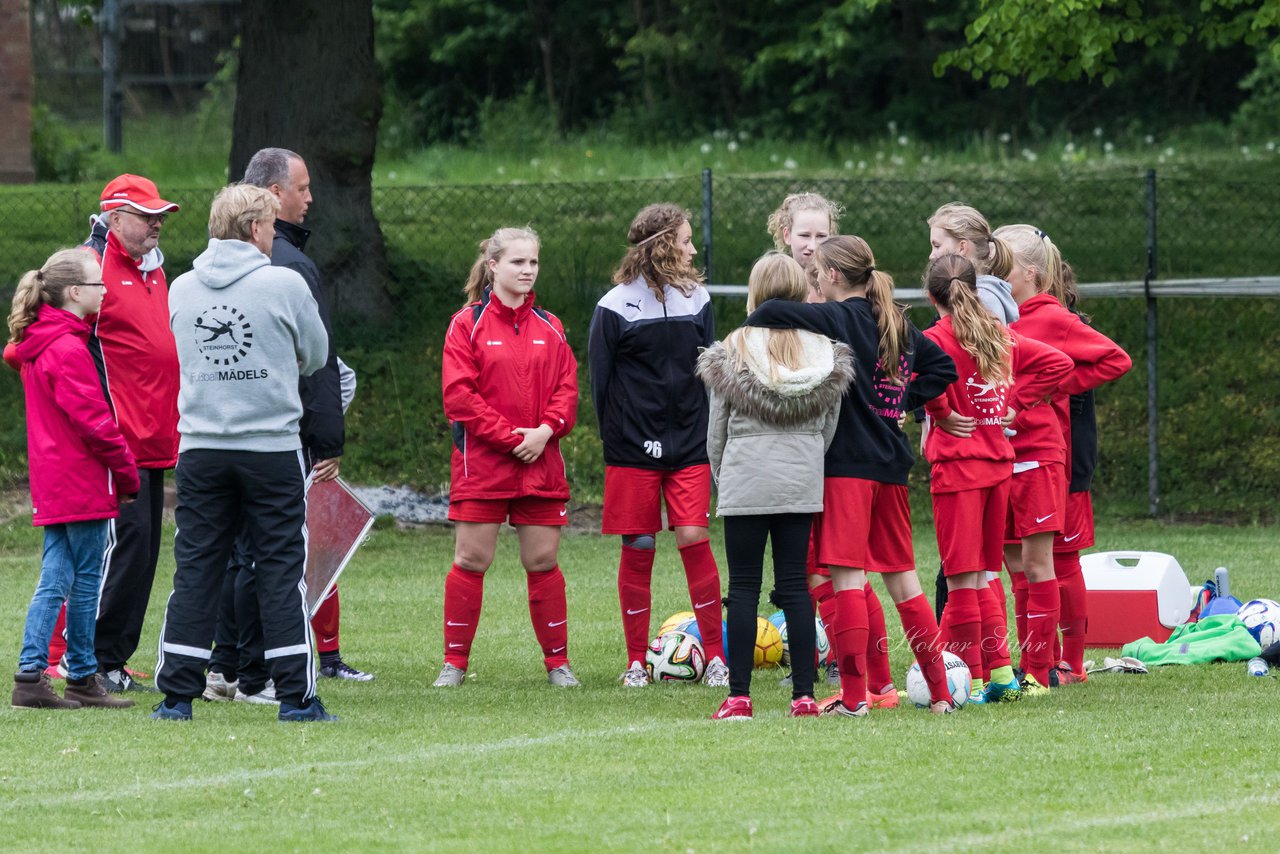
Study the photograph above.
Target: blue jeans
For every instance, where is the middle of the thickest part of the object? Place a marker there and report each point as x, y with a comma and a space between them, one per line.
70, 571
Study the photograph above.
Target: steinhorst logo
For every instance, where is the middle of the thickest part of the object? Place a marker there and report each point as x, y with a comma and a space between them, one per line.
223, 335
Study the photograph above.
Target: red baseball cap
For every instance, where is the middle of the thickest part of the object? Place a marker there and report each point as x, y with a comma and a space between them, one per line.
136, 192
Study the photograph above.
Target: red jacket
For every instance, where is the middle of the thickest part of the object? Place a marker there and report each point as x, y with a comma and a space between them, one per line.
78, 459
1043, 433
504, 369
139, 356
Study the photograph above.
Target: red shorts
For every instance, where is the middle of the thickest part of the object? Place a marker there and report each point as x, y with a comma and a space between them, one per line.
970, 528
1077, 534
865, 525
633, 499
811, 564
528, 510
1037, 502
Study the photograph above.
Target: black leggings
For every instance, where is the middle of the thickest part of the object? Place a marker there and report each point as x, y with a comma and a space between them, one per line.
744, 539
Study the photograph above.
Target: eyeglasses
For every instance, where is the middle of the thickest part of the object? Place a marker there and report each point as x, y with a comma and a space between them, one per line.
91, 284
152, 219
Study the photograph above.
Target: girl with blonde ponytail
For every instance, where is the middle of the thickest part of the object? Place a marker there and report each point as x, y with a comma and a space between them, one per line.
957, 228
1000, 374
81, 470
866, 521
1037, 502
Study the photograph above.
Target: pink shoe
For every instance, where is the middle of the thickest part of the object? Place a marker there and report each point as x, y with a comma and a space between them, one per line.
734, 709
804, 707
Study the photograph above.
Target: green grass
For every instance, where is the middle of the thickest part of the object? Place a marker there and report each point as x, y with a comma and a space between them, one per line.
1125, 763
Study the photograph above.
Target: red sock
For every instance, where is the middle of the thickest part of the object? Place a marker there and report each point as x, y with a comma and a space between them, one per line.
635, 575
1019, 582
824, 602
58, 642
965, 618
1042, 625
922, 634
997, 587
878, 676
325, 623
944, 625
1074, 618
995, 630
704, 594
550, 615
851, 639
463, 595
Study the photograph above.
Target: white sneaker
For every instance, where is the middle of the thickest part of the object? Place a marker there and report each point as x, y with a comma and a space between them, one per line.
217, 688
265, 697
635, 676
450, 677
562, 677
717, 674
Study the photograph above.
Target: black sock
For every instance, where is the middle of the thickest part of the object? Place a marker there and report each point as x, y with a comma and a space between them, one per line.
328, 659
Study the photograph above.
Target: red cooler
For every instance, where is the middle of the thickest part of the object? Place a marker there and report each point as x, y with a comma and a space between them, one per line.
1134, 595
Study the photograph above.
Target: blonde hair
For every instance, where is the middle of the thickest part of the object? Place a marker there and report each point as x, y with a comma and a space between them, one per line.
48, 285
851, 257
237, 207
492, 249
774, 276
654, 253
952, 281
783, 219
990, 254
1031, 247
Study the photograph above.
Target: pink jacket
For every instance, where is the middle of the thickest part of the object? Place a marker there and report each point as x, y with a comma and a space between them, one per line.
78, 458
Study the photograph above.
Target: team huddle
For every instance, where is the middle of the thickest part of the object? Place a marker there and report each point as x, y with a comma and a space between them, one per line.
796, 417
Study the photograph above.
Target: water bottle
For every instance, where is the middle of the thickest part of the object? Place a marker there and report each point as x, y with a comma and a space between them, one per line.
1257, 667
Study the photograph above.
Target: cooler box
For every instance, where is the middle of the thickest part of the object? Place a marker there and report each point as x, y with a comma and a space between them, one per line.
1133, 595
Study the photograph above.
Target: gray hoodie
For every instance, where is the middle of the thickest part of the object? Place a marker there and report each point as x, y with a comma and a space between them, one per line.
245, 331
997, 296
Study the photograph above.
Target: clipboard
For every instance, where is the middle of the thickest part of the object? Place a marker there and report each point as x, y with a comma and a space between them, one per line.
337, 522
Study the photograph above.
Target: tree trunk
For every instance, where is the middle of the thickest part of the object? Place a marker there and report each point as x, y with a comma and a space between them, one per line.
16, 93
308, 82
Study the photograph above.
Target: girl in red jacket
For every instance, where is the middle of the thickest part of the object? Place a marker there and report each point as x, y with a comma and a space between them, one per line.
1000, 374
1037, 501
80, 467
511, 394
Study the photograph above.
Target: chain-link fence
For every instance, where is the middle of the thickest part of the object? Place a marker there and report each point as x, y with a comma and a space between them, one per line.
1218, 377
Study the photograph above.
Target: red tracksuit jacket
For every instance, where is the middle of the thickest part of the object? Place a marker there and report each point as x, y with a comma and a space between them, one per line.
1043, 432
504, 369
78, 459
985, 457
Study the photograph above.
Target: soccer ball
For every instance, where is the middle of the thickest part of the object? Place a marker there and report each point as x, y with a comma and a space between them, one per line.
779, 619
675, 657
959, 682
823, 645
676, 622
768, 644
1262, 618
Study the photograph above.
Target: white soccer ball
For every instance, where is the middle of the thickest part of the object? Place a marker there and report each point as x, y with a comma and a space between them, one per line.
959, 682
823, 645
1262, 618
675, 657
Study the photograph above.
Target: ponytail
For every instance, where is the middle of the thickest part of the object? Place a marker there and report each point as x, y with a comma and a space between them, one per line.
1031, 247
492, 249
953, 283
48, 285
851, 257
1000, 262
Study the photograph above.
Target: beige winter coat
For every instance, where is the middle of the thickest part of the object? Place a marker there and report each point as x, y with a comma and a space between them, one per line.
767, 436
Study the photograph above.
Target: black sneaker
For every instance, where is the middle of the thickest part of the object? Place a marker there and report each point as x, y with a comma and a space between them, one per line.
119, 681
341, 670
313, 711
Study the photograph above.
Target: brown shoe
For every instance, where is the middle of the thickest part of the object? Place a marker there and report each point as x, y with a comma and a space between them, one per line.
32, 690
90, 691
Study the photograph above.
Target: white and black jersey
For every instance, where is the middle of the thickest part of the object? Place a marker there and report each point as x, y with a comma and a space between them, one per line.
650, 404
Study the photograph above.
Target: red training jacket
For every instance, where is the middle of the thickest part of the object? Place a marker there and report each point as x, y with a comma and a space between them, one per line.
1044, 434
985, 457
504, 369
139, 357
78, 459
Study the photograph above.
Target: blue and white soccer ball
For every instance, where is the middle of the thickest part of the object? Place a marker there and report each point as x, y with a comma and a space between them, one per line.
959, 682
823, 642
675, 657
1262, 618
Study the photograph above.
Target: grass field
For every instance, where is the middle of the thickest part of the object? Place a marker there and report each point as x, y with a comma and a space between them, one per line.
1180, 757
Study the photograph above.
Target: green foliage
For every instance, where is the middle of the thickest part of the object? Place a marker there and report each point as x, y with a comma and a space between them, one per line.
58, 152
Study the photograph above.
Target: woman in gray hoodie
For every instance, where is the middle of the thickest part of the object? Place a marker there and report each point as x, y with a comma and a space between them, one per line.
775, 395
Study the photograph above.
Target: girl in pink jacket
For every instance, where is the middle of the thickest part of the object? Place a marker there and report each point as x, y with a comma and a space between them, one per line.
80, 469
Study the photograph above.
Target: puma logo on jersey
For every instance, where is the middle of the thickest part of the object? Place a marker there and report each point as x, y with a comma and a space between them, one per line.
634, 305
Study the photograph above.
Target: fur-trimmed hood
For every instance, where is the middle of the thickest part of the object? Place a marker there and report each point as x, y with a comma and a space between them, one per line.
793, 397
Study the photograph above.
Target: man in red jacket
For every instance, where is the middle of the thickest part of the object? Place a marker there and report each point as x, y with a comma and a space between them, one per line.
134, 346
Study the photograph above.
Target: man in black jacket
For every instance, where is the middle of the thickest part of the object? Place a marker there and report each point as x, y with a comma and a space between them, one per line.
285, 174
